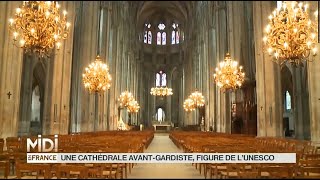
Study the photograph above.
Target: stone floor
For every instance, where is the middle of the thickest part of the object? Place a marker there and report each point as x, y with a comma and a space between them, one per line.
162, 143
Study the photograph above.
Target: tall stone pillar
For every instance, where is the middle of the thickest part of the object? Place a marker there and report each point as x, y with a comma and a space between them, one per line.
57, 95
269, 102
85, 51
11, 63
314, 98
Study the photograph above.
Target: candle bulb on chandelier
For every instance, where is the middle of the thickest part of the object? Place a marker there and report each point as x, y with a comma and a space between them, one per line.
47, 14
18, 10
68, 25
11, 21
15, 34
305, 7
22, 42
58, 45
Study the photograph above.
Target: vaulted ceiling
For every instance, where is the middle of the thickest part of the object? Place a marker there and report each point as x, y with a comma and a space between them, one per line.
158, 10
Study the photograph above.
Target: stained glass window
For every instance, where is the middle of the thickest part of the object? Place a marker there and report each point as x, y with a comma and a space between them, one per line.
149, 37
164, 79
161, 26
177, 37
164, 38
173, 40
159, 38
145, 37
158, 79
161, 79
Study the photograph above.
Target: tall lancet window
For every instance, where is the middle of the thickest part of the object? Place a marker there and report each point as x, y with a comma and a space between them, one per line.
288, 101
145, 39
164, 38
161, 79
160, 115
164, 79
159, 38
173, 39
175, 34
158, 79
147, 34
161, 35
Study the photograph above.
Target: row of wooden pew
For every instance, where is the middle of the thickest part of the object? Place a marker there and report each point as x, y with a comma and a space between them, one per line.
13, 155
307, 156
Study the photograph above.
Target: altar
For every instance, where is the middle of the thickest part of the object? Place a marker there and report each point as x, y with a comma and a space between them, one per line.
162, 127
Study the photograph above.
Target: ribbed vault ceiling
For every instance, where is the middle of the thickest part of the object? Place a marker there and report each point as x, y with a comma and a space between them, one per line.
148, 11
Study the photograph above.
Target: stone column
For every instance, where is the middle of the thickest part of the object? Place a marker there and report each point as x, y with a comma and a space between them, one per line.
268, 78
58, 88
314, 98
11, 63
85, 51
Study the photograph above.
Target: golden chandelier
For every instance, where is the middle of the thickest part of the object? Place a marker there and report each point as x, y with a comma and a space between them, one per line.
39, 27
197, 98
161, 91
188, 105
133, 107
290, 34
96, 77
125, 98
229, 75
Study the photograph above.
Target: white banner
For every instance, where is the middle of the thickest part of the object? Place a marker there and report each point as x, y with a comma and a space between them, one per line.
161, 157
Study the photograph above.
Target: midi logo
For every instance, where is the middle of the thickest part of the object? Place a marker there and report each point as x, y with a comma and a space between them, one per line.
42, 144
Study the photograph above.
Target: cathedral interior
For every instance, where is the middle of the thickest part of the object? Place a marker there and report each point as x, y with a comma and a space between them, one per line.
169, 58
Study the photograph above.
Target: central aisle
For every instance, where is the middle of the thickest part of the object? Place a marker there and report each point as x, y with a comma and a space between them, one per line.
162, 143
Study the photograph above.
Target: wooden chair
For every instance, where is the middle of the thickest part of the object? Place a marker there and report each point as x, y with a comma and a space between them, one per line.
310, 172
272, 171
72, 171
111, 171
4, 167
32, 171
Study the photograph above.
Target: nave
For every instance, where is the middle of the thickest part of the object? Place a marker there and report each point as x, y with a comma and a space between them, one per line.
162, 144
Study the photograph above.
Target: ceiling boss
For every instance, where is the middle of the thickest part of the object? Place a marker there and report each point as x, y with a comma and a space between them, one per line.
290, 35
38, 27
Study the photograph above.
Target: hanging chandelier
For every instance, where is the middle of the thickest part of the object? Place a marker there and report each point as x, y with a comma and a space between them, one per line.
133, 106
197, 98
125, 98
189, 105
229, 75
291, 36
96, 77
38, 27
161, 91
